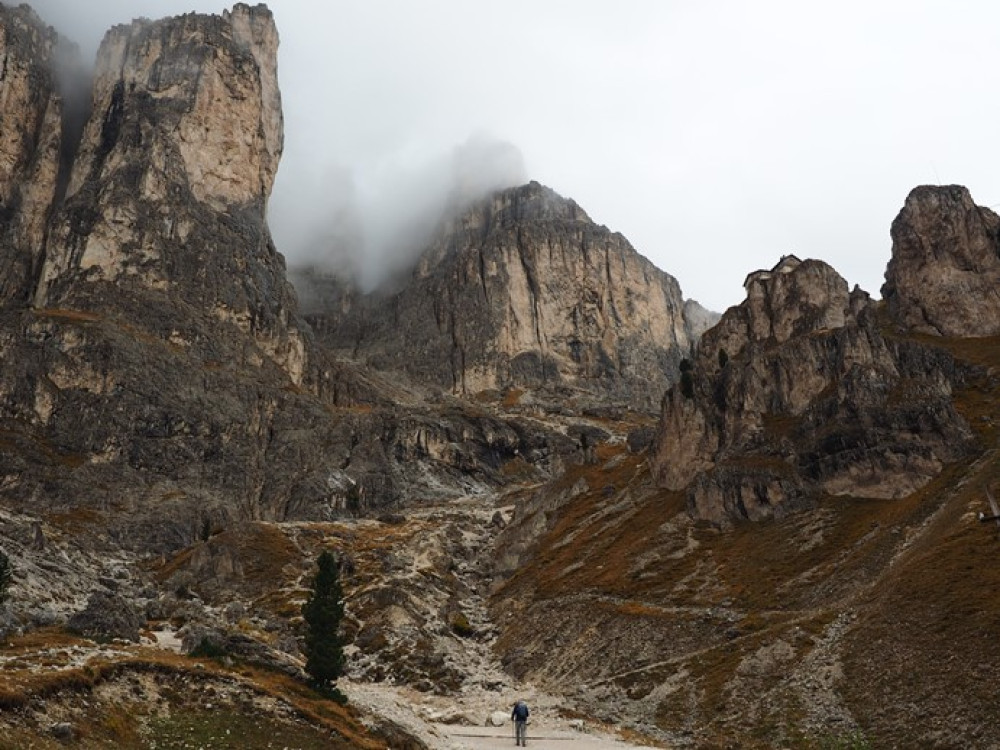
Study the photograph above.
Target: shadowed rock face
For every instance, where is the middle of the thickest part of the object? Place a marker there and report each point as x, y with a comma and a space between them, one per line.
30, 141
945, 268
524, 290
797, 392
164, 349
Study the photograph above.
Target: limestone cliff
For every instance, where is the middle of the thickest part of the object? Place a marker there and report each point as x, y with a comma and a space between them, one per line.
31, 111
796, 393
164, 209
157, 372
523, 290
945, 266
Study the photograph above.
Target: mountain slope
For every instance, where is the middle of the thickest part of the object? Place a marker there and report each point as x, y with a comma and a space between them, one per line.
523, 290
727, 592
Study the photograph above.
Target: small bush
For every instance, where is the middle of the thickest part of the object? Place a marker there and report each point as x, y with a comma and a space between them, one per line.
460, 626
209, 649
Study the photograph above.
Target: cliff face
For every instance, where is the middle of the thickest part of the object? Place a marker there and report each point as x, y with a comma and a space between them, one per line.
150, 339
156, 370
164, 207
797, 393
945, 265
524, 291
30, 143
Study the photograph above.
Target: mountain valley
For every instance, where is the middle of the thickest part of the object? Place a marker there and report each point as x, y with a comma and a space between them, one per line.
543, 472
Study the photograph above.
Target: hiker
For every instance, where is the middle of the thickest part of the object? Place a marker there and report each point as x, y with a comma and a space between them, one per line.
520, 717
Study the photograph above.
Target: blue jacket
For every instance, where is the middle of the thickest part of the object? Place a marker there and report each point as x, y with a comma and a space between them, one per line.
520, 712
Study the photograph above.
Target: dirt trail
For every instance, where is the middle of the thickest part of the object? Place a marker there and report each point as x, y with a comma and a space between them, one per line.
464, 738
461, 722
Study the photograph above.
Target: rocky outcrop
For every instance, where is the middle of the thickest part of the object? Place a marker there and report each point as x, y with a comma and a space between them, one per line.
945, 267
796, 393
164, 209
523, 290
30, 143
158, 379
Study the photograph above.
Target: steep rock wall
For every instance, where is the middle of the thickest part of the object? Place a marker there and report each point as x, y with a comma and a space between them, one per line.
159, 380
797, 392
945, 267
524, 290
30, 142
164, 208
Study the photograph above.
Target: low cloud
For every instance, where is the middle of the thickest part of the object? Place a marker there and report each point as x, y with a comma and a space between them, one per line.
372, 224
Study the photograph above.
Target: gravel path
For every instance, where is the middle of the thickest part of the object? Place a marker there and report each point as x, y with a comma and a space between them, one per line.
460, 722
474, 738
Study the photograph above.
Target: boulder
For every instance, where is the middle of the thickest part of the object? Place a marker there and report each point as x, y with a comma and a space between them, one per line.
108, 616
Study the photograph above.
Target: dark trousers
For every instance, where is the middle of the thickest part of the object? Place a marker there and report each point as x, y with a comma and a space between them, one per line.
520, 732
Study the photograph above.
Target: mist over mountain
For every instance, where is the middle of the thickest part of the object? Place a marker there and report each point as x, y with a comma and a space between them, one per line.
629, 110
371, 225
799, 552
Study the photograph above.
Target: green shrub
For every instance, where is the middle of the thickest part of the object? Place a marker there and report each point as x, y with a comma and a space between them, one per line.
460, 625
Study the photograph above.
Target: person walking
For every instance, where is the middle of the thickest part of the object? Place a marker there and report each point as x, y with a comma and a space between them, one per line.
520, 717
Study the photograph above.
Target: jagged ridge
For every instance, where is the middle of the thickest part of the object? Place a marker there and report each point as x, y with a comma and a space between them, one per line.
523, 290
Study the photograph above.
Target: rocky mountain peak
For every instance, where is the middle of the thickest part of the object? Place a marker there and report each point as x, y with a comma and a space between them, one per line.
945, 264
523, 290
164, 208
523, 205
529, 202
793, 298
797, 393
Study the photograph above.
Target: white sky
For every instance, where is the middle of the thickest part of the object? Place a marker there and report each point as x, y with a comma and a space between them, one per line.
716, 135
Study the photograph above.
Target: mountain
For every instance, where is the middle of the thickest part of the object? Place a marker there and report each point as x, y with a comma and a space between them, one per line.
799, 393
166, 414
802, 560
523, 291
945, 265
539, 471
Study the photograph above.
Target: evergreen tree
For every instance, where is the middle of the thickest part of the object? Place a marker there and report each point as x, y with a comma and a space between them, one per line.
323, 612
6, 576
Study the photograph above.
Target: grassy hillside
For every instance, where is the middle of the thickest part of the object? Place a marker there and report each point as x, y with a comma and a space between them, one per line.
858, 622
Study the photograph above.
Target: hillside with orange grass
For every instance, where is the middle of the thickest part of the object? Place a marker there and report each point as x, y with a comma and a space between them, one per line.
56, 688
856, 619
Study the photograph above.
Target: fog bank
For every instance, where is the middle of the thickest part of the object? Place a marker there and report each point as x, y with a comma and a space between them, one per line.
371, 224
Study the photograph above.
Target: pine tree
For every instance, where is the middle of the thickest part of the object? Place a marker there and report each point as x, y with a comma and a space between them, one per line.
6, 576
323, 612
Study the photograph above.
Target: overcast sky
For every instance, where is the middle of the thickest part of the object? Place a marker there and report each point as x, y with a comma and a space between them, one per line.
715, 135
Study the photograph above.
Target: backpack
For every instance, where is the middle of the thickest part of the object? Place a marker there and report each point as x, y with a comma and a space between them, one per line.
521, 711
